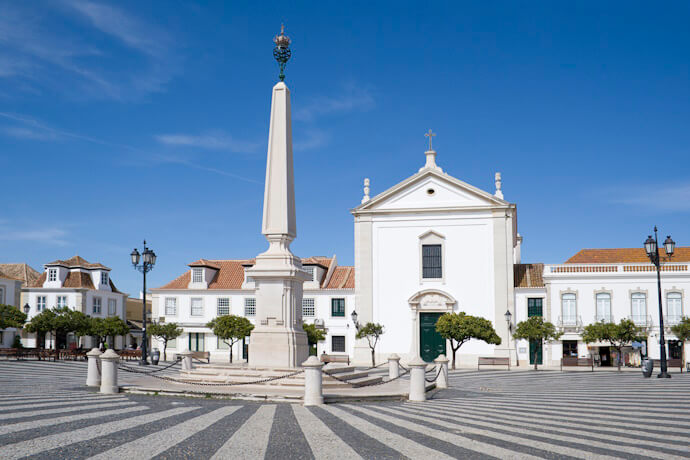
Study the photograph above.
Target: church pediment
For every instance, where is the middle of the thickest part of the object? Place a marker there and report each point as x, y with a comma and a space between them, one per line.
431, 189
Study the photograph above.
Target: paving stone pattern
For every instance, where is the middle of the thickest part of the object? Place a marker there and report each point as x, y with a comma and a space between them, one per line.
47, 413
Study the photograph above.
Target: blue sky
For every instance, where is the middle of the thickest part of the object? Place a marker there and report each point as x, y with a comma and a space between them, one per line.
128, 120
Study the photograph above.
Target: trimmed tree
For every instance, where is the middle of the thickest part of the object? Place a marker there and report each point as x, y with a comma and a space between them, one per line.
618, 335
11, 316
372, 332
41, 324
60, 322
461, 327
314, 336
164, 333
107, 327
682, 333
538, 330
230, 329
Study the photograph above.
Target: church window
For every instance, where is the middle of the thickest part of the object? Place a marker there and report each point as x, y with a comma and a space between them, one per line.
197, 307
338, 307
603, 307
310, 272
569, 307
430, 191
104, 277
674, 307
249, 306
170, 306
308, 309
432, 267
223, 306
40, 303
197, 275
52, 274
338, 343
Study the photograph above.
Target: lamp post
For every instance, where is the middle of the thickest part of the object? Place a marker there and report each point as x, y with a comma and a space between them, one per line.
148, 260
651, 246
354, 316
508, 316
27, 308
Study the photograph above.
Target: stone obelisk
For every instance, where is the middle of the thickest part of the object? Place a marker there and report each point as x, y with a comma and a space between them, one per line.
278, 340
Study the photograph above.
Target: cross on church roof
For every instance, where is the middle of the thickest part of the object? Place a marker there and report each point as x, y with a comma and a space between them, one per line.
430, 135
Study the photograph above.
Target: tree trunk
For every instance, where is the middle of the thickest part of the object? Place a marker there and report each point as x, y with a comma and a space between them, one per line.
230, 354
534, 357
454, 350
373, 360
165, 347
620, 358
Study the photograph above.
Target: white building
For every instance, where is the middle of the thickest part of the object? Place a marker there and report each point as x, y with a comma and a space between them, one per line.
211, 288
79, 285
605, 285
12, 278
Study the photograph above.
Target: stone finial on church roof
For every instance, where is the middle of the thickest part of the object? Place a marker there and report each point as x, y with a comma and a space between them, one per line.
499, 192
430, 154
366, 197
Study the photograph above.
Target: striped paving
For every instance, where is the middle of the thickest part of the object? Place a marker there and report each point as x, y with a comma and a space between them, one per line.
47, 412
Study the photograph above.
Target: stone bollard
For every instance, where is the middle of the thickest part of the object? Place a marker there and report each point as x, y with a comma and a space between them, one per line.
442, 378
417, 382
93, 374
313, 389
187, 360
109, 361
393, 366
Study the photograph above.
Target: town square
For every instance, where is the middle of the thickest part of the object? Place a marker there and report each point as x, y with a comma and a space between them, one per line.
207, 271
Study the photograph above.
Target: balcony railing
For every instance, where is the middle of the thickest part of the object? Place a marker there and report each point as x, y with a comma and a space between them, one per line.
605, 318
642, 320
605, 269
670, 320
570, 323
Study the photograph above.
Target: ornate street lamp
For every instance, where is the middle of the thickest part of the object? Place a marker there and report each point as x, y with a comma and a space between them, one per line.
508, 316
27, 308
148, 260
651, 247
281, 52
354, 316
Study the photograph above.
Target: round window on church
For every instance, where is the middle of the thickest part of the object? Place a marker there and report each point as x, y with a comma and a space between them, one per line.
430, 191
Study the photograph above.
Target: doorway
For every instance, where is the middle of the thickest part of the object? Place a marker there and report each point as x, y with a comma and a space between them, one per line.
196, 341
605, 356
535, 345
570, 348
431, 344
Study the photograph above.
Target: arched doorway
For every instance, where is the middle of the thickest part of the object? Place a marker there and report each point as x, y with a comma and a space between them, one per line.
426, 307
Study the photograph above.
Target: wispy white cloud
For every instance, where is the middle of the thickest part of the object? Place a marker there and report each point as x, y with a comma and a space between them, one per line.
51, 235
673, 197
313, 139
172, 159
209, 141
35, 48
27, 133
351, 98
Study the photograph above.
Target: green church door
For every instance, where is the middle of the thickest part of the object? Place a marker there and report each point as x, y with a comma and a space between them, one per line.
431, 344
534, 344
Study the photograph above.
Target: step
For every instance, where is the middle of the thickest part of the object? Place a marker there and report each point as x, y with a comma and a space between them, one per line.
349, 376
356, 383
337, 369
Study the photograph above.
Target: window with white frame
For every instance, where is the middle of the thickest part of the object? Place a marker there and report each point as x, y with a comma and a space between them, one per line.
603, 307
61, 301
97, 305
674, 307
170, 306
104, 277
432, 265
569, 308
223, 306
197, 275
112, 307
2, 296
172, 343
310, 271
639, 308
197, 307
338, 343
40, 303
222, 344
308, 309
249, 306
52, 274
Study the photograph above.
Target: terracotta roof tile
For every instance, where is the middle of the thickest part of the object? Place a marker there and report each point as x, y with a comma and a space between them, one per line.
75, 262
325, 262
78, 280
343, 278
625, 255
20, 272
205, 263
39, 281
528, 275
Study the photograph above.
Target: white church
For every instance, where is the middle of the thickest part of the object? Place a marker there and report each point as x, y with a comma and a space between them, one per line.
428, 245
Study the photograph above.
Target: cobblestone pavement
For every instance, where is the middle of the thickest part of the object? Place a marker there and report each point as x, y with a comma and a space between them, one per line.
46, 412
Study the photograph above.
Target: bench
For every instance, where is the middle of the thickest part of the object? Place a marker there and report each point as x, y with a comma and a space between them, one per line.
493, 361
130, 354
335, 358
670, 363
574, 361
198, 355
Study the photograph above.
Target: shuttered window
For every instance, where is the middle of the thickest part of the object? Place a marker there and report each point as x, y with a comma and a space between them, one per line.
535, 307
337, 307
431, 261
338, 343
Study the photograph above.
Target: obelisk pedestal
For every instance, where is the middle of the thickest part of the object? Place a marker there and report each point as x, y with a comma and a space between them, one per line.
278, 340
